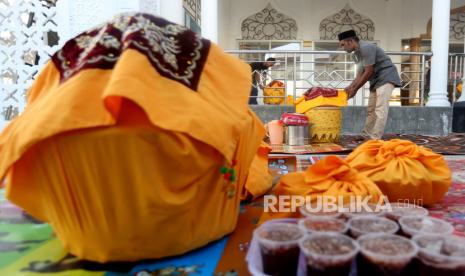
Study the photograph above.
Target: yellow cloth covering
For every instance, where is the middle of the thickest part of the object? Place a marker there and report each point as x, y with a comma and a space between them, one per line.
340, 99
125, 139
330, 176
403, 170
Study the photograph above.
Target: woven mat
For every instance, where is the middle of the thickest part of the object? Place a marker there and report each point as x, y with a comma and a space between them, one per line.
453, 144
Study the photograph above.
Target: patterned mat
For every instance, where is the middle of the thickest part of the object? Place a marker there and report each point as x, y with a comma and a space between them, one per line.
453, 144
308, 149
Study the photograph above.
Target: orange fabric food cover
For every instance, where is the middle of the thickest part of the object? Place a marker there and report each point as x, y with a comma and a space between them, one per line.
330, 176
403, 170
134, 145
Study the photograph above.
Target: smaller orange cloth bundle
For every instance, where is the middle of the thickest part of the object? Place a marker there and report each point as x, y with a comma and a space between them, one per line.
329, 177
403, 170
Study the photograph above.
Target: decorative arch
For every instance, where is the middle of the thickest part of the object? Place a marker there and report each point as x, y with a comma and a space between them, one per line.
347, 19
456, 25
269, 24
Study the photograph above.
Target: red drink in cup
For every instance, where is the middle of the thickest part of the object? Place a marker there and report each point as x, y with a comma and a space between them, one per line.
313, 210
441, 255
323, 224
385, 254
414, 225
399, 210
371, 224
354, 210
279, 247
329, 253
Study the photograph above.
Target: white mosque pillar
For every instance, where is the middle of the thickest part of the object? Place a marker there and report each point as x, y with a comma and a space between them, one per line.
209, 19
440, 49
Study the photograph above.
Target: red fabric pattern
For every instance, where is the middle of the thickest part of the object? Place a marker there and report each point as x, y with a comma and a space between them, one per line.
314, 92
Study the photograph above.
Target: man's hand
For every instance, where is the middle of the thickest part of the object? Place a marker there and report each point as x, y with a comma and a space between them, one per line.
350, 90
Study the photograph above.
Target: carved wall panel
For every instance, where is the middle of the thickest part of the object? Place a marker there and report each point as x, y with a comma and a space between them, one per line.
347, 19
457, 25
269, 24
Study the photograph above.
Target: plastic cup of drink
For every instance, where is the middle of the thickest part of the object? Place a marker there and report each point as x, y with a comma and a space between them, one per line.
399, 210
371, 224
279, 247
385, 254
353, 210
311, 210
440, 254
329, 253
414, 225
323, 224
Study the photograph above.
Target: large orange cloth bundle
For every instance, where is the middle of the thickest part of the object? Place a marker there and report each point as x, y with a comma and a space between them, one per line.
329, 177
129, 146
403, 170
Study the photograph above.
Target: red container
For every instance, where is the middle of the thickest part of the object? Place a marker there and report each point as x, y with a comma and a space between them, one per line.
294, 119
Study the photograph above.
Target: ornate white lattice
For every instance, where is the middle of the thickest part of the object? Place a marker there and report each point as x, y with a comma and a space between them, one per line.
193, 8
28, 37
347, 19
269, 24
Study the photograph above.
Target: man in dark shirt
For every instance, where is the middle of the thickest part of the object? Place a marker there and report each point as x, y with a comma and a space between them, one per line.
258, 71
375, 66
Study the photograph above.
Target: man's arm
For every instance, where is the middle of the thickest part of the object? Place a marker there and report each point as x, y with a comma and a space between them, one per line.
359, 81
258, 79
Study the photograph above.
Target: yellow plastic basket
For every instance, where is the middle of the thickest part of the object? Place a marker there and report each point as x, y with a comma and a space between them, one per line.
274, 91
325, 124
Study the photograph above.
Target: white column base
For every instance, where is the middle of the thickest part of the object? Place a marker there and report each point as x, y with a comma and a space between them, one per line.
438, 98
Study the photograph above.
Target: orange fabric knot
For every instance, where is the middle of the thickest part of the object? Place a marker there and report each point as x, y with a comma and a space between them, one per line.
403, 170
276, 83
332, 176
329, 177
